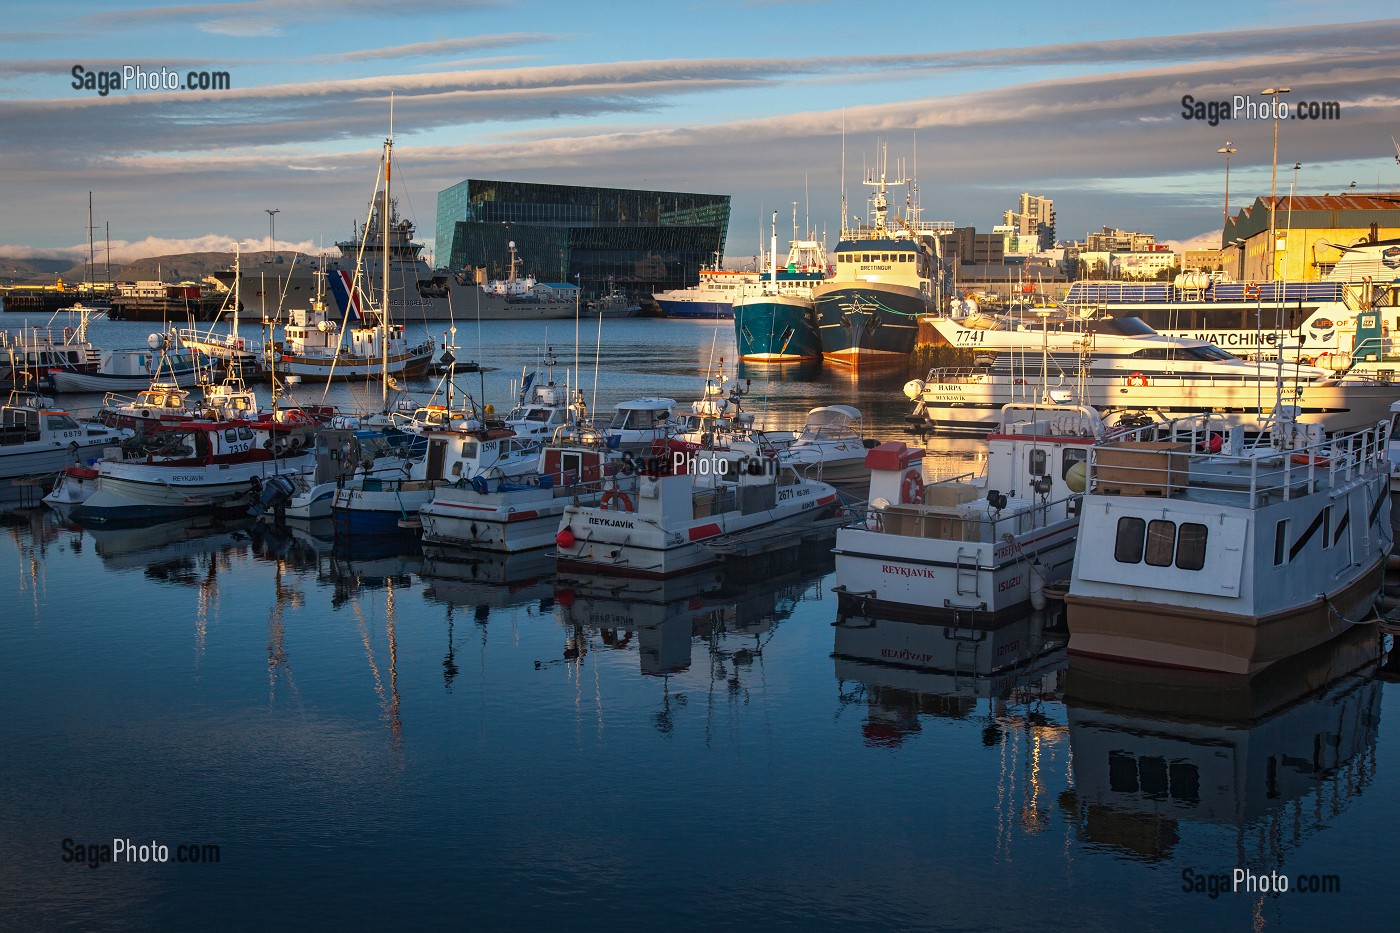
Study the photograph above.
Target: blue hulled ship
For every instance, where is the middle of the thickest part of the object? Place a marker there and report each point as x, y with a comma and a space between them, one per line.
885, 279
776, 321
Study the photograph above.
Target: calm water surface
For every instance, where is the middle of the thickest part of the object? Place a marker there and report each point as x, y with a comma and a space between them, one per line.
378, 736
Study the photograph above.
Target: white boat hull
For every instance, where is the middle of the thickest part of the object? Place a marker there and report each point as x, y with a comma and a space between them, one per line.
129, 490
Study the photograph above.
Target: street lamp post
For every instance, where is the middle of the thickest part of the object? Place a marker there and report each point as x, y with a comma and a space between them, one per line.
1274, 92
1227, 150
271, 226
1288, 226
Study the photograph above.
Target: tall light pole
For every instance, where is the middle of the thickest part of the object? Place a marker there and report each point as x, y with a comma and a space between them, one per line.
271, 226
1227, 150
1288, 237
1274, 92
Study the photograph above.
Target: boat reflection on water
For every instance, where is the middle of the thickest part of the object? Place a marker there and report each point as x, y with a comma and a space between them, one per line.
1275, 756
732, 611
183, 551
351, 564
485, 580
807, 371
904, 671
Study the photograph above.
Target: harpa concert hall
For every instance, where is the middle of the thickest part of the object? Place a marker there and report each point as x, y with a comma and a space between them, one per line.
637, 241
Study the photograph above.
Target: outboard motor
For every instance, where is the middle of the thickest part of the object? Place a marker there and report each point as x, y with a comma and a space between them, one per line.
277, 492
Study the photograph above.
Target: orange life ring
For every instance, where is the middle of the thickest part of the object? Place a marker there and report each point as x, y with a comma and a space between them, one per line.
1018, 381
238, 344
1305, 460
614, 495
911, 491
1137, 379
1251, 291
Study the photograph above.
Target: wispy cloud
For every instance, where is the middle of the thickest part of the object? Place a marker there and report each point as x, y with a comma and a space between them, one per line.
124, 251
442, 47
266, 17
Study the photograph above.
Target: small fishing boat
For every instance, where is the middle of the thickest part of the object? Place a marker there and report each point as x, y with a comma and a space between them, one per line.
186, 469
380, 499
639, 424
37, 439
523, 513
686, 520
977, 548
129, 369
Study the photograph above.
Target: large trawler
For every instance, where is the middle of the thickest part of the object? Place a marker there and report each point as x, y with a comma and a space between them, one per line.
776, 320
887, 277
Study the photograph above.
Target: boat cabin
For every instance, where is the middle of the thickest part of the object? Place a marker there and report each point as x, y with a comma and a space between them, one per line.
202, 443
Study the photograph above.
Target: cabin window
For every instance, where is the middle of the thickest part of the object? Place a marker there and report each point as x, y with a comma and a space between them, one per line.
1069, 458
1280, 542
245, 434
1038, 461
231, 435
1161, 543
1326, 528
468, 450
1191, 546
1127, 549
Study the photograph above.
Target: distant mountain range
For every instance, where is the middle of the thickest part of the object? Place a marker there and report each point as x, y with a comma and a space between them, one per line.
181, 267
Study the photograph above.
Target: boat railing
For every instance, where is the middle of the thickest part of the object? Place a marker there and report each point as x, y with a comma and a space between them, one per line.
1189, 456
956, 374
978, 521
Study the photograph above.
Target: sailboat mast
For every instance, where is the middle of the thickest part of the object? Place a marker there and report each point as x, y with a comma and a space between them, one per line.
92, 258
384, 235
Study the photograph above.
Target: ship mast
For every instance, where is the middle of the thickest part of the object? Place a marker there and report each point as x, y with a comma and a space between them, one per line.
384, 235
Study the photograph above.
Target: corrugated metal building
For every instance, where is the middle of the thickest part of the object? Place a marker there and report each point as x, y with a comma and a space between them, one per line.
1307, 230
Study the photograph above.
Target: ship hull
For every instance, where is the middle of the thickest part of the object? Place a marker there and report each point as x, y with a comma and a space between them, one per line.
869, 326
777, 329
703, 310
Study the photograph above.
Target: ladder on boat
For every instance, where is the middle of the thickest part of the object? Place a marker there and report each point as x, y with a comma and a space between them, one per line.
967, 576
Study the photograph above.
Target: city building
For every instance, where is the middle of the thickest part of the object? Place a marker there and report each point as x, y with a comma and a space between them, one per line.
638, 241
1112, 240
1033, 219
1308, 229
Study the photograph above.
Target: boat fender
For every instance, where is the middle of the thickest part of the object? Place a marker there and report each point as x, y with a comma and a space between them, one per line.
479, 485
565, 538
616, 496
1038, 597
911, 492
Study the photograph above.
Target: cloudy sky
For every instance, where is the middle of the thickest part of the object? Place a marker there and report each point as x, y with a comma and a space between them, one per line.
743, 97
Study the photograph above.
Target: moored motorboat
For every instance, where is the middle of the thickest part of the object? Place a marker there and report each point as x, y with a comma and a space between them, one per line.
678, 522
37, 439
522, 513
831, 446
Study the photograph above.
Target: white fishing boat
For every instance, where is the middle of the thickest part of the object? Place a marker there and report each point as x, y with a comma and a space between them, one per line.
717, 421
133, 368
831, 446
523, 513
381, 499
1231, 561
186, 469
1122, 366
677, 523
543, 409
73, 486
29, 355
976, 548
37, 439
314, 349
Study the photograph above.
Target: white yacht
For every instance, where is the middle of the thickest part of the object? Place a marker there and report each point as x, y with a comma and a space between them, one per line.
831, 446
1123, 366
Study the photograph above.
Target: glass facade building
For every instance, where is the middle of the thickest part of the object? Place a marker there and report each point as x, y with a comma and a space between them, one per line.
640, 241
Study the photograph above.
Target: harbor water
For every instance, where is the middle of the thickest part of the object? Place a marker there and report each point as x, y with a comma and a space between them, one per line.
372, 734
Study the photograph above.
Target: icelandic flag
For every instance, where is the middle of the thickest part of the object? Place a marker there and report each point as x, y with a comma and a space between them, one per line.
525, 387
